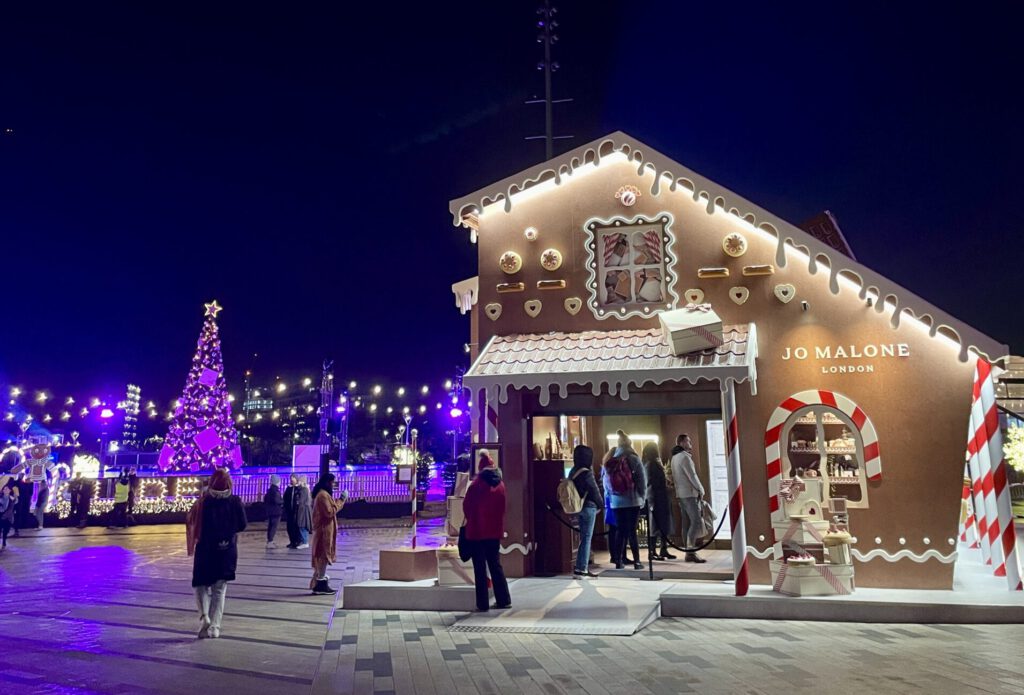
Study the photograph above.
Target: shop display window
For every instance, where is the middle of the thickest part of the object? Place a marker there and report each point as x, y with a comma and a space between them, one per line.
822, 442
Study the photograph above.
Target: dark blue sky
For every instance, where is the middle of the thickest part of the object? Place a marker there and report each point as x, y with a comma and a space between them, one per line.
296, 162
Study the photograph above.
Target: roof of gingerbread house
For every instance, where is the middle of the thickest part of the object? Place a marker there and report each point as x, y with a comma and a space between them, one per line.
616, 358
670, 177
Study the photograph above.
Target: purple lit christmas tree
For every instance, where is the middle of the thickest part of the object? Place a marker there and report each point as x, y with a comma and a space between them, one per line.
202, 435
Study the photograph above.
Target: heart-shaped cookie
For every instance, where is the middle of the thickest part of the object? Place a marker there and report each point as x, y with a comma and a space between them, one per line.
785, 293
493, 311
739, 294
694, 296
573, 305
532, 307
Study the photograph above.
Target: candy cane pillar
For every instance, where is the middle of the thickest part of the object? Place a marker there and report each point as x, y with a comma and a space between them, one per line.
985, 469
968, 527
735, 475
1001, 488
977, 490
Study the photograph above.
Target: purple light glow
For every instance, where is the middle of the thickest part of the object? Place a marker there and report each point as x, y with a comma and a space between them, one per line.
106, 413
456, 412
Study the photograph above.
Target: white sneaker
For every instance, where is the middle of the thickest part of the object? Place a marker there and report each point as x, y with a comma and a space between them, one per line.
303, 546
271, 544
204, 628
214, 632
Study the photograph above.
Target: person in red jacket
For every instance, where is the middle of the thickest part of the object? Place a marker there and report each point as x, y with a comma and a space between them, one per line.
484, 509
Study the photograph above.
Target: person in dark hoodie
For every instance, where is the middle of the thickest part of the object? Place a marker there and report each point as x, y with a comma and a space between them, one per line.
484, 509
582, 476
625, 484
657, 499
274, 504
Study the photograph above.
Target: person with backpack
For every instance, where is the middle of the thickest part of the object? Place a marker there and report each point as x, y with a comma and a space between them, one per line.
578, 494
625, 484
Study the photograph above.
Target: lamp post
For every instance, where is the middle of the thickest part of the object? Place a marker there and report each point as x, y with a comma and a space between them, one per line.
105, 415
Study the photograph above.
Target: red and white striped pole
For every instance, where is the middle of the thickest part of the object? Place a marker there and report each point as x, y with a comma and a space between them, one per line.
968, 527
1007, 538
735, 477
978, 492
491, 416
980, 443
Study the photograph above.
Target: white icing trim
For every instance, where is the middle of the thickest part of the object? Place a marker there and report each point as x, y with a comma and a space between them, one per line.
760, 554
673, 177
904, 554
525, 550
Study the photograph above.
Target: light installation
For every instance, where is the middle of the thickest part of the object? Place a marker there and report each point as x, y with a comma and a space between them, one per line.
202, 434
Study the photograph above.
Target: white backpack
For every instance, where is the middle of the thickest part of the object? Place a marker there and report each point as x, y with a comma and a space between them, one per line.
568, 496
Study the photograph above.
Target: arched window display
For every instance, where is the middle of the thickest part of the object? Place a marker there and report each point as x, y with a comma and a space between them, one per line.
823, 442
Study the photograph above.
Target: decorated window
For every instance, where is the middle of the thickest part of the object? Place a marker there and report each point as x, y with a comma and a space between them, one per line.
822, 442
630, 265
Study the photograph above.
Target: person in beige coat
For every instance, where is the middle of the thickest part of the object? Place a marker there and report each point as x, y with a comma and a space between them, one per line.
325, 531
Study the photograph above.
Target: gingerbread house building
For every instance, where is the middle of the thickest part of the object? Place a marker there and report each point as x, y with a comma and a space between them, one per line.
825, 372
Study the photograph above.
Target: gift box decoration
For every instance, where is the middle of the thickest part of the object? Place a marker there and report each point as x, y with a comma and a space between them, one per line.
408, 564
692, 328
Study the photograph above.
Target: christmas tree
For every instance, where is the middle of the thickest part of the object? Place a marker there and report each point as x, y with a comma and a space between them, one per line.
202, 435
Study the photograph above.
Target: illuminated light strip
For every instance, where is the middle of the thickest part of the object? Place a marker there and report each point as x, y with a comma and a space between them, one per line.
522, 195
904, 554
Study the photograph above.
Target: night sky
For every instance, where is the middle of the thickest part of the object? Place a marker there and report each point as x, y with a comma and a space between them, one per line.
296, 163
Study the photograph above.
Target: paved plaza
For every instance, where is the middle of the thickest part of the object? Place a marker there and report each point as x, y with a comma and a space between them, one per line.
100, 611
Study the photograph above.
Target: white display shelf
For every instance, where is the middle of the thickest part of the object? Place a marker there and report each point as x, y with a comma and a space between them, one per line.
815, 450
826, 421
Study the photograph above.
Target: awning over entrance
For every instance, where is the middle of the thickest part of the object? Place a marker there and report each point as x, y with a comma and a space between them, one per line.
618, 359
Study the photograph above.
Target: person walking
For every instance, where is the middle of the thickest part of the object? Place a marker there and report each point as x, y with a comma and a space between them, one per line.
484, 509
213, 525
582, 476
134, 489
42, 498
625, 483
325, 531
274, 504
689, 490
658, 501
120, 512
8, 504
75, 495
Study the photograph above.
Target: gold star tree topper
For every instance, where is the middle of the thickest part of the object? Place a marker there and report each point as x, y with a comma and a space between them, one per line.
213, 308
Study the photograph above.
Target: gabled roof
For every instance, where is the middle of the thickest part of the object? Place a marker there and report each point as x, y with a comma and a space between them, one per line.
673, 177
616, 358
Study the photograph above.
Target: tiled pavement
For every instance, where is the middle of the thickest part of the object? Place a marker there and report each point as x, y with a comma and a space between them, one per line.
113, 613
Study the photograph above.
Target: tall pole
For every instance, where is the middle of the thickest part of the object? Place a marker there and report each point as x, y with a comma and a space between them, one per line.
326, 400
734, 475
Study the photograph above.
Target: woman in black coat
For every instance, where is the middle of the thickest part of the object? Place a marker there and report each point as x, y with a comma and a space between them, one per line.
216, 523
658, 499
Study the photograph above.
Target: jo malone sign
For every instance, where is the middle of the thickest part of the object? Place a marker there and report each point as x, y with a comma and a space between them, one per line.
837, 357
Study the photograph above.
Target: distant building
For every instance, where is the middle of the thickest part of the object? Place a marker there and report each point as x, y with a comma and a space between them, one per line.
1010, 388
289, 410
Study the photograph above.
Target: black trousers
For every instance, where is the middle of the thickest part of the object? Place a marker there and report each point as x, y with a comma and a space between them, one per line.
626, 518
120, 515
272, 522
487, 557
294, 538
83, 510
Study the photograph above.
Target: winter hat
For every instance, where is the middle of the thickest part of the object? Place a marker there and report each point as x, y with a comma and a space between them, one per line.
624, 439
583, 456
220, 481
275, 479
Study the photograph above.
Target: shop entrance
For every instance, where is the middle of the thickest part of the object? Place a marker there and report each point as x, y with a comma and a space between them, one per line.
551, 438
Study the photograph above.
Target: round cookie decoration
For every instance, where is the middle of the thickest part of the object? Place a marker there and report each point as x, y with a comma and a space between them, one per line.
531, 233
551, 259
628, 195
510, 262
734, 245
